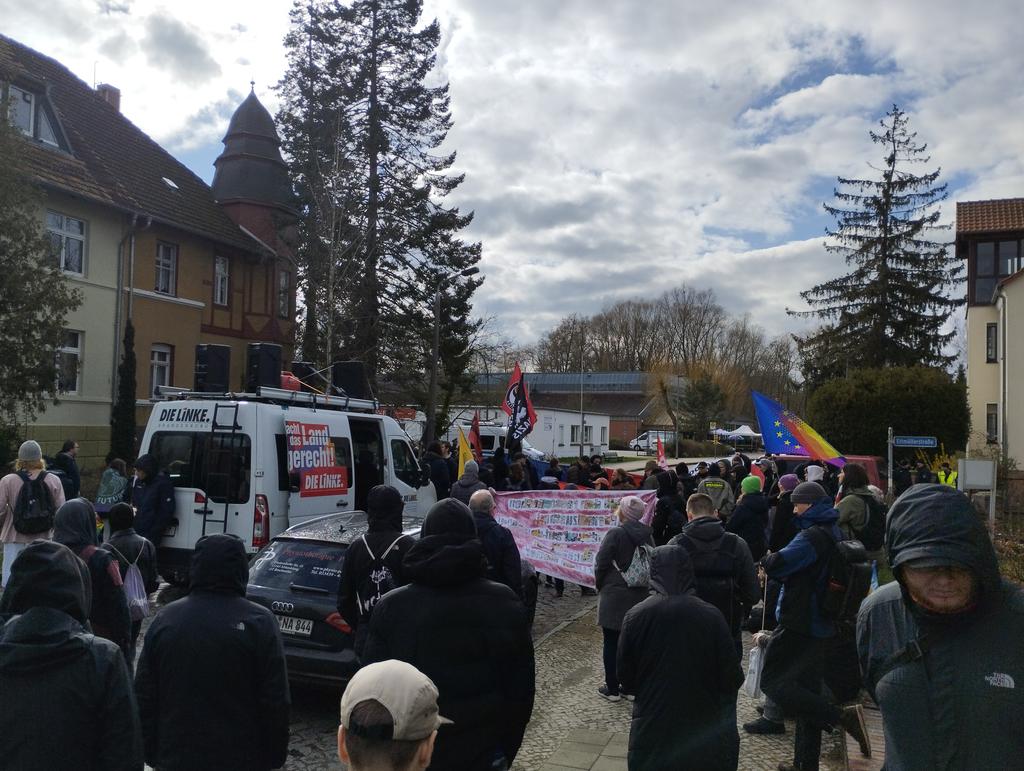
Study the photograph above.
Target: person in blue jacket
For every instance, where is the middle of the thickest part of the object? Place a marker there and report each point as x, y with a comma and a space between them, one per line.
794, 667
152, 495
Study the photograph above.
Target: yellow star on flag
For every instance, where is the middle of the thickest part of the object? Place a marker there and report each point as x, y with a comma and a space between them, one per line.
787, 442
778, 434
796, 447
777, 423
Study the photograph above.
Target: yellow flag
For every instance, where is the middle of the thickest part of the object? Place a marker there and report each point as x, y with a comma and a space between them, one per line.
465, 451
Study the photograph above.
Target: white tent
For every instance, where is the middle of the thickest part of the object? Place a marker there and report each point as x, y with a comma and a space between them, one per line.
744, 431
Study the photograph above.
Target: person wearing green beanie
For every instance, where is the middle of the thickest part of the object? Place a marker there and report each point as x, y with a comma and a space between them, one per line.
751, 484
749, 519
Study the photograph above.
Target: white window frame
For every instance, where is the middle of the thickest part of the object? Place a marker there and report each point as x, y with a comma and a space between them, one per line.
221, 280
64, 234
70, 350
284, 294
22, 93
588, 434
157, 364
166, 267
604, 434
574, 433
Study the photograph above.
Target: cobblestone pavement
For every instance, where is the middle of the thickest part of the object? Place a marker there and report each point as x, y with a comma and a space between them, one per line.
568, 674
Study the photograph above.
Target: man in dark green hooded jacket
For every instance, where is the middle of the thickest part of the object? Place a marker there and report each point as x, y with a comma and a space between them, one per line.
941, 648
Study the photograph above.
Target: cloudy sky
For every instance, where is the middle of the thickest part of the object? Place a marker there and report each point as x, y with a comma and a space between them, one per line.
613, 149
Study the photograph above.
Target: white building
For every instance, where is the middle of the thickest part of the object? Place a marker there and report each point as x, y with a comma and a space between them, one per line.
557, 432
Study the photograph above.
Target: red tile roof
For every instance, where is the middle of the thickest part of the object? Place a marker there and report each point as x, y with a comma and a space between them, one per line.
112, 161
1005, 214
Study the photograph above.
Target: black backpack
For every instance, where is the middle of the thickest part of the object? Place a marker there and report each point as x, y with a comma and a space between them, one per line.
715, 577
848, 576
34, 509
872, 535
377, 582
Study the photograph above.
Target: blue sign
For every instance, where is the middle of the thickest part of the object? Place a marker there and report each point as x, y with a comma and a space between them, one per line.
915, 441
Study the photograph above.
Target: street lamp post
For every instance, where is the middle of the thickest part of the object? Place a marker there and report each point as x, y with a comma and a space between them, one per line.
429, 429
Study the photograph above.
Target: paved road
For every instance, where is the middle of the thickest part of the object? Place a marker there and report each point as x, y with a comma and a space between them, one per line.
568, 674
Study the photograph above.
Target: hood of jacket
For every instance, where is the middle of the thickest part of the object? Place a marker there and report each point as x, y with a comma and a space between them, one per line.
938, 522
40, 639
485, 523
220, 565
671, 571
384, 507
820, 513
147, 463
637, 531
446, 559
705, 529
755, 502
48, 575
75, 525
468, 479
666, 483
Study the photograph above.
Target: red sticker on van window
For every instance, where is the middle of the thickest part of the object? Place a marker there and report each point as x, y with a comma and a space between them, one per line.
324, 481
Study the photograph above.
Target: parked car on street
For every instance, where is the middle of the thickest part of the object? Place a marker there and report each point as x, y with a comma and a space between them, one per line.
296, 576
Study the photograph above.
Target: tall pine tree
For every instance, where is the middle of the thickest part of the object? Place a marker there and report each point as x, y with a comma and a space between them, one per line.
122, 414
364, 129
890, 309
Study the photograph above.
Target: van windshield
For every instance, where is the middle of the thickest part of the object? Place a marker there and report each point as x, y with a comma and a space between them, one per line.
220, 465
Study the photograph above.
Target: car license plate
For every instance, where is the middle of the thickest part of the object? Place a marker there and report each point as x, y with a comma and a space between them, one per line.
302, 627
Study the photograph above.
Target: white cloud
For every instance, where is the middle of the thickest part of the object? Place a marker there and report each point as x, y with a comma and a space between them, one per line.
612, 149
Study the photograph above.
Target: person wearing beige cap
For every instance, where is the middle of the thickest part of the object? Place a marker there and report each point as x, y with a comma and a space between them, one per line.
615, 597
27, 470
389, 719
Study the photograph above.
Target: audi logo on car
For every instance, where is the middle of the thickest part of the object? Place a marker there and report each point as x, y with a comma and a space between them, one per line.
283, 607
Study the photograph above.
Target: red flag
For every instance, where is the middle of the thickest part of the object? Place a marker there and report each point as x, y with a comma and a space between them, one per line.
474, 437
661, 455
755, 470
517, 405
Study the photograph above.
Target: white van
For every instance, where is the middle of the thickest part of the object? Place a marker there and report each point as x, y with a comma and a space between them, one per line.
255, 464
648, 440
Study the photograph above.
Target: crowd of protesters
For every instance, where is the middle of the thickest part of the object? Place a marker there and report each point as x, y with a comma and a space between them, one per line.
448, 676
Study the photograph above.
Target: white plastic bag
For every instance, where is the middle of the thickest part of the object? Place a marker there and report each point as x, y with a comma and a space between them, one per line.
755, 663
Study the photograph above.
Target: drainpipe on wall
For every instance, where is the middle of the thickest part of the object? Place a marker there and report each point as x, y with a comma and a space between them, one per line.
1003, 438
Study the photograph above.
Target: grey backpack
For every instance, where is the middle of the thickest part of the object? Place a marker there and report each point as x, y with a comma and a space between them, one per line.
638, 574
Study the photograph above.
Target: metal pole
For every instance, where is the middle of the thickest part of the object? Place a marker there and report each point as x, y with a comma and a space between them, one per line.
889, 491
582, 422
428, 430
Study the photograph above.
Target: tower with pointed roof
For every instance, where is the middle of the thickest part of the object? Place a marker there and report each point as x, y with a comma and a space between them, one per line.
251, 181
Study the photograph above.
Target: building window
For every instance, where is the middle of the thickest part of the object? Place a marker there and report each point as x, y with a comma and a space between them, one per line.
604, 434
161, 358
67, 241
574, 434
220, 280
23, 110
284, 300
991, 344
992, 422
69, 363
1009, 258
166, 267
561, 434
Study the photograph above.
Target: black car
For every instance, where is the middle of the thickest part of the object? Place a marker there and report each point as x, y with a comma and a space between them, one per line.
296, 576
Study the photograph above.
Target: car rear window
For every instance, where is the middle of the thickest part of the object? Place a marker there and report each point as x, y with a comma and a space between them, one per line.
299, 565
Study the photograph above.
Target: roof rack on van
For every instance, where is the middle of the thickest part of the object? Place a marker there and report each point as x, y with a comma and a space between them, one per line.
276, 396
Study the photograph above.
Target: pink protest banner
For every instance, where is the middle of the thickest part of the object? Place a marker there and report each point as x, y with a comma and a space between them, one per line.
560, 531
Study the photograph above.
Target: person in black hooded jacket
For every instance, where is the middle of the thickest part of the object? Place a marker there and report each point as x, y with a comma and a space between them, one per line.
384, 538
151, 492
211, 683
940, 647
467, 634
670, 510
684, 716
75, 527
749, 519
66, 700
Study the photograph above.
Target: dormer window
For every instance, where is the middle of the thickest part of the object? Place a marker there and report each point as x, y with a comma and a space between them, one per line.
30, 114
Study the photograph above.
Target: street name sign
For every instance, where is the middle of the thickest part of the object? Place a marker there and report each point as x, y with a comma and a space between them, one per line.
915, 441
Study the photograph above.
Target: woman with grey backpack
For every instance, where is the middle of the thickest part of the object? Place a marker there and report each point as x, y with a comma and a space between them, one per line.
622, 574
